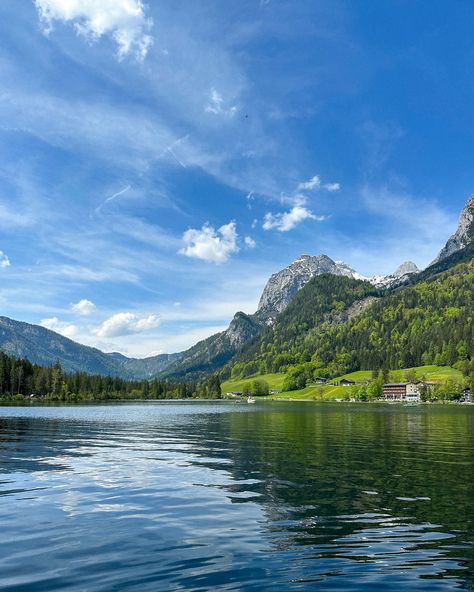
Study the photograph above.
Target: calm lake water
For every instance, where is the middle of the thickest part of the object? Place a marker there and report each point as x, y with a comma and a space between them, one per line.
227, 496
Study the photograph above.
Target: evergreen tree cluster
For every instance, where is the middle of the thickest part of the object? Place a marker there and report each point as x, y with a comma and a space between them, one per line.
325, 300
19, 378
336, 325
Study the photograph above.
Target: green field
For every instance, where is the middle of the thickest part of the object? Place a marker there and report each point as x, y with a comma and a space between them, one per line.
275, 381
437, 373
322, 392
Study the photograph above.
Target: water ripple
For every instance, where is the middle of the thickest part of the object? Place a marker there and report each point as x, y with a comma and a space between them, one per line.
199, 496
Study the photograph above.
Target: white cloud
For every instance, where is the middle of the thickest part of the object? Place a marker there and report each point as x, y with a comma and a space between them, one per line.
315, 183
288, 220
123, 20
126, 323
285, 221
249, 242
83, 307
332, 186
250, 198
54, 324
4, 260
209, 244
216, 105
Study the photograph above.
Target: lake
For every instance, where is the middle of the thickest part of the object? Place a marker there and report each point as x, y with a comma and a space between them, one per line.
228, 496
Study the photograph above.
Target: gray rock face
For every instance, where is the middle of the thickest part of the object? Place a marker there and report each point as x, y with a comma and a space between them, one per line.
282, 286
406, 268
241, 330
464, 234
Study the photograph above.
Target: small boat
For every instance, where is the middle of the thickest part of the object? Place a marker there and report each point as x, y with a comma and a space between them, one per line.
250, 400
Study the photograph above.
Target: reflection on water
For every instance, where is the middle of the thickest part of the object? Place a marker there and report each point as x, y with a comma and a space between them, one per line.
272, 496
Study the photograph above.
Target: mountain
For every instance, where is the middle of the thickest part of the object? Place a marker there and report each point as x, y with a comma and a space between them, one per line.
44, 347
337, 324
214, 352
398, 277
282, 286
464, 234
326, 298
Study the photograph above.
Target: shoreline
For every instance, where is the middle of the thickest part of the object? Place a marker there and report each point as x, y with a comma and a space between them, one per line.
109, 402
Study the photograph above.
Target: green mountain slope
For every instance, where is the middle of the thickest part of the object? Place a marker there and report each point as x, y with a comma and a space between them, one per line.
42, 346
213, 353
337, 325
326, 299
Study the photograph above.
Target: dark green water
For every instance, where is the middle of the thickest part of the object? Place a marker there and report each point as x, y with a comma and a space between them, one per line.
204, 496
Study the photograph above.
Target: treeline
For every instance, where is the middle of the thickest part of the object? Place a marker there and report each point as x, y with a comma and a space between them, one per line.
429, 323
19, 378
326, 332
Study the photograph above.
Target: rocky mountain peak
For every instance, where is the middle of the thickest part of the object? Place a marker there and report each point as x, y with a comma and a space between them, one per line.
282, 286
406, 268
464, 234
242, 328
396, 278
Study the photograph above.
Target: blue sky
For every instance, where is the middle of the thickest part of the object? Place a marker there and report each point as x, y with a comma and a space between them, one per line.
159, 160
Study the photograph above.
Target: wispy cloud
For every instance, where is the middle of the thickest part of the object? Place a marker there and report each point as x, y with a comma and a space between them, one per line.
216, 105
4, 260
286, 221
250, 243
125, 21
315, 183
113, 197
420, 222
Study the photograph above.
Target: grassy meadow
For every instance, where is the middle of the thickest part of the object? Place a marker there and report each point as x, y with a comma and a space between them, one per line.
331, 392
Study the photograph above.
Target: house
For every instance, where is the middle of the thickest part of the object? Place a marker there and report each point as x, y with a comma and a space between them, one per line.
234, 394
401, 391
320, 379
346, 382
274, 392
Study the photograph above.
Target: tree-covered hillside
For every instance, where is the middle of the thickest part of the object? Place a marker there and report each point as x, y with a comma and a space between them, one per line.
326, 299
211, 354
43, 347
20, 379
428, 323
335, 325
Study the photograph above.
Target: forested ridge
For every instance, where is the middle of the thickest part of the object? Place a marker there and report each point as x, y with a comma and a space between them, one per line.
325, 299
20, 379
430, 322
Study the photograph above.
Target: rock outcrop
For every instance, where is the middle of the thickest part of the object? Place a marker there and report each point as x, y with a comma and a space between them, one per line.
282, 286
464, 234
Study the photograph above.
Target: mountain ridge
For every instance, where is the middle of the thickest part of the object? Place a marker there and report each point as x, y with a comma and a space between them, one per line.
44, 346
